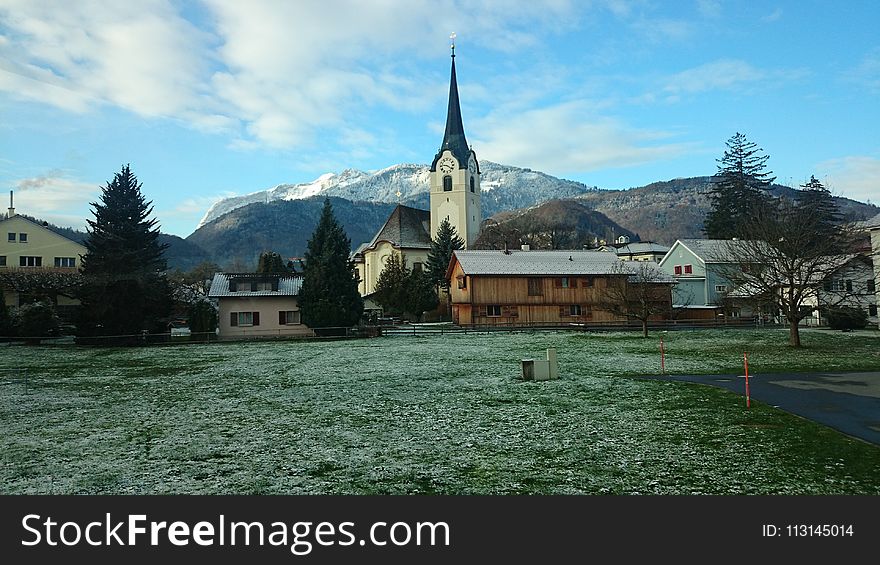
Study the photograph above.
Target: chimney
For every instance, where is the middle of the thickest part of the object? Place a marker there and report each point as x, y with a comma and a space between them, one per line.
11, 208
525, 247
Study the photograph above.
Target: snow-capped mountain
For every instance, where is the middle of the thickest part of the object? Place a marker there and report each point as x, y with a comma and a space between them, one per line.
503, 188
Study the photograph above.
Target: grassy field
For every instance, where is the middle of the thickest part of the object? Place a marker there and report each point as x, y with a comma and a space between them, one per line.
440, 414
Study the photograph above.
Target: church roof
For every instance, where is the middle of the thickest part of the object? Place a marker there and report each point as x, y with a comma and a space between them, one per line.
454, 139
406, 227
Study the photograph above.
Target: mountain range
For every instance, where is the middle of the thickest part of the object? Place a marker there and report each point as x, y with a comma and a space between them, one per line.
234, 231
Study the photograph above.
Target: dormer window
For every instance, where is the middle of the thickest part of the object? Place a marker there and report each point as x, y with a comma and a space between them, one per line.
447, 183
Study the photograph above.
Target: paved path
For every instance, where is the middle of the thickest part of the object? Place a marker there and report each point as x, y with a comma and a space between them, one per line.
849, 402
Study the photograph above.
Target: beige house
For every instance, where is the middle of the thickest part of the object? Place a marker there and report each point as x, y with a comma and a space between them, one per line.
27, 245
257, 305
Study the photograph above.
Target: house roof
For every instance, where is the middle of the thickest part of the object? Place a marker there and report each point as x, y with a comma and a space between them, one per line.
641, 247
647, 271
712, 250
288, 285
871, 223
525, 263
42, 226
405, 227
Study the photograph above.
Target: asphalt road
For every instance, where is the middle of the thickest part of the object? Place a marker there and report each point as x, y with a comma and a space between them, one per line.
849, 402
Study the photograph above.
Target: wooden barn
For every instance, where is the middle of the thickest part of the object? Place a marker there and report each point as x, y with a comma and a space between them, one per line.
535, 287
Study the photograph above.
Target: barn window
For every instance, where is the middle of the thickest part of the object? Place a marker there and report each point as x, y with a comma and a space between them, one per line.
574, 310
493, 310
536, 287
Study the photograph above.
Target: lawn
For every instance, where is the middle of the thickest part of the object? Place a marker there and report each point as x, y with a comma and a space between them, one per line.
440, 414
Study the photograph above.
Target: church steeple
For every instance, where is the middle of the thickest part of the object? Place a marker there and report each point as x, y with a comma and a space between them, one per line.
453, 139
455, 175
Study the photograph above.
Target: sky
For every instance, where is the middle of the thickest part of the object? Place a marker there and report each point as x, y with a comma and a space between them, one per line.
212, 98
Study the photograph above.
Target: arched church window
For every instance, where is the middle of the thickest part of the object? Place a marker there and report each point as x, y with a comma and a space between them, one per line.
447, 183
472, 184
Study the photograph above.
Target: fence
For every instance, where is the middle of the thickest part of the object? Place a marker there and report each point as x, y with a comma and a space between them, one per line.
168, 338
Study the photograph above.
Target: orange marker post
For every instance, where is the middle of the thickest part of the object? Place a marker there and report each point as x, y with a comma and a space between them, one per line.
662, 357
746, 363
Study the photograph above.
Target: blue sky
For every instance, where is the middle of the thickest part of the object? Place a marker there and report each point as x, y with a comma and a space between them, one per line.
218, 97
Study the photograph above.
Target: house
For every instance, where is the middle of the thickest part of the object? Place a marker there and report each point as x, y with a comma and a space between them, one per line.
852, 284
534, 287
29, 247
873, 227
641, 251
406, 233
454, 192
702, 291
258, 305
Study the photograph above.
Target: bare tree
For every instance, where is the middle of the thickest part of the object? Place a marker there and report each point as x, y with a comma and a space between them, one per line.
790, 252
645, 292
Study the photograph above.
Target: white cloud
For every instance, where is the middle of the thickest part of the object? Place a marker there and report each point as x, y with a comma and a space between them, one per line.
569, 138
867, 73
772, 16
142, 56
56, 199
722, 74
709, 8
856, 177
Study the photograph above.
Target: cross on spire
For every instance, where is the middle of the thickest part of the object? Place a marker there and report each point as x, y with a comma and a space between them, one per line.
452, 39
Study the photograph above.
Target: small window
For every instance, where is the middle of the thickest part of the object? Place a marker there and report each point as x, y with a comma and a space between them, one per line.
472, 184
245, 318
447, 183
688, 269
288, 317
872, 309
574, 310
417, 267
22, 238
677, 269
2, 260
65, 261
720, 288
24, 261
11, 237
562, 282
871, 287
536, 287
493, 311
462, 281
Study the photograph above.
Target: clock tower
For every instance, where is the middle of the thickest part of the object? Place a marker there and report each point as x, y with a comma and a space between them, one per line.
455, 175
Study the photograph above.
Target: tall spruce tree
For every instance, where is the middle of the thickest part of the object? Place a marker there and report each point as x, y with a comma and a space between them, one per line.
738, 190
329, 296
125, 290
442, 246
817, 202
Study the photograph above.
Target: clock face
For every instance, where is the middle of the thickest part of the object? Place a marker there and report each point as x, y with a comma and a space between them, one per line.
446, 165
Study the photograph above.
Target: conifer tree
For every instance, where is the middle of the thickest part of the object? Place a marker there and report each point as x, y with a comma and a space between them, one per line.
125, 290
442, 246
329, 296
818, 204
739, 189
390, 291
271, 262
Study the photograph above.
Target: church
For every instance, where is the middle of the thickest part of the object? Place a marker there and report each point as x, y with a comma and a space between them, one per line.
454, 195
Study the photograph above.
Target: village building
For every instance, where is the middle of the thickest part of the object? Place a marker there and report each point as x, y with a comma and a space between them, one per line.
703, 292
454, 180
524, 287
638, 251
27, 246
257, 305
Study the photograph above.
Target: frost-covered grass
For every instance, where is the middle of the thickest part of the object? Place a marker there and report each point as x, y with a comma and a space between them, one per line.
440, 414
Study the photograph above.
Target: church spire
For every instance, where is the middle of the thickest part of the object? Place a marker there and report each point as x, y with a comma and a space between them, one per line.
454, 139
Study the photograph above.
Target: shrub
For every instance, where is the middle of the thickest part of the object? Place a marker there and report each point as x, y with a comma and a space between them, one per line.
37, 320
846, 318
